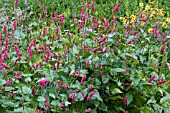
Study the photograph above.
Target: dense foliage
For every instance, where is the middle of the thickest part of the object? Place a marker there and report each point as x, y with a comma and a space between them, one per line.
72, 56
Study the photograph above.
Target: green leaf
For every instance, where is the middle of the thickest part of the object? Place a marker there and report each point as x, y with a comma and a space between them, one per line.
52, 95
19, 34
102, 107
67, 103
151, 100
115, 90
75, 50
41, 98
116, 97
97, 96
19, 110
131, 55
111, 34
130, 98
29, 110
118, 70
105, 79
2, 82
145, 109
26, 90
55, 102
9, 88
165, 99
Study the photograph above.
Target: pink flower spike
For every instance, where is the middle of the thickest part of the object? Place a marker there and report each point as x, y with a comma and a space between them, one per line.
95, 49
43, 82
135, 33
5, 66
125, 100
163, 81
90, 87
126, 111
92, 7
102, 39
87, 62
16, 2
100, 65
4, 29
116, 8
151, 79
9, 82
88, 110
55, 14
90, 95
83, 79
66, 86
163, 37
118, 42
101, 73
127, 84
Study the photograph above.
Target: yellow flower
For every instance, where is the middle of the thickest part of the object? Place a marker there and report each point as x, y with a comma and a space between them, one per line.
150, 30
152, 3
164, 25
162, 12
133, 17
168, 20
122, 18
147, 7
142, 23
141, 4
150, 19
125, 21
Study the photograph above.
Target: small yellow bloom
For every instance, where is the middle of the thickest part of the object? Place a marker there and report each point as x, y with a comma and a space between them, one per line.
162, 12
150, 19
141, 4
150, 30
164, 25
147, 7
122, 18
142, 23
168, 20
152, 3
125, 21
133, 17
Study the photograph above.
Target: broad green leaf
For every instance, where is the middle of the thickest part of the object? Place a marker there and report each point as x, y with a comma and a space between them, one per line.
130, 98
9, 88
115, 90
52, 95
26, 90
19, 110
145, 109
151, 100
41, 98
111, 34
67, 103
165, 98
19, 34
118, 70
55, 102
131, 55
102, 107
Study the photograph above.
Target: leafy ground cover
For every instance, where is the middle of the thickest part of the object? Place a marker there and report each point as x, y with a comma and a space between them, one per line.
72, 56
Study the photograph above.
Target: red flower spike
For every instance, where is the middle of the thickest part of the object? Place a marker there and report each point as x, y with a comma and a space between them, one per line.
116, 8
125, 100
151, 79
91, 95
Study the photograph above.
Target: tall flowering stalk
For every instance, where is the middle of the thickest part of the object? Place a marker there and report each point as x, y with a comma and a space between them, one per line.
91, 95
151, 79
116, 8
